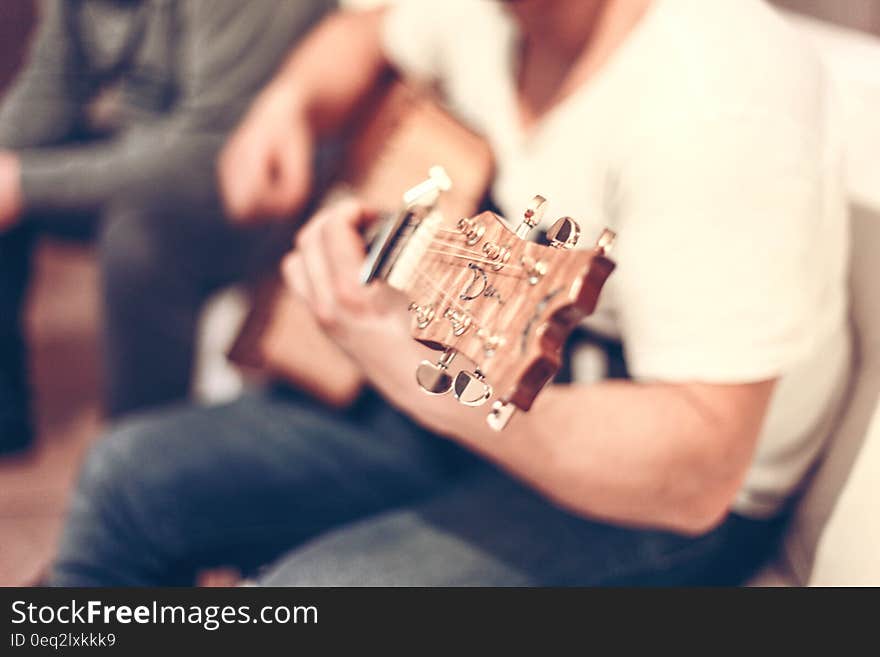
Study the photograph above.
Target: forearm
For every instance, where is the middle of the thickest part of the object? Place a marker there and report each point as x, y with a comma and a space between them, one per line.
29, 117
667, 455
334, 68
87, 177
44, 103
660, 455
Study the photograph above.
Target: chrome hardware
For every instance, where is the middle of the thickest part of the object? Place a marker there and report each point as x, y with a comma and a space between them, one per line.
532, 216
606, 241
490, 342
434, 378
471, 389
564, 233
423, 314
495, 251
460, 320
535, 269
500, 415
473, 230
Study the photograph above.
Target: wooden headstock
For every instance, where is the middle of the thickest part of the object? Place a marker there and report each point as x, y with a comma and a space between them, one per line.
481, 292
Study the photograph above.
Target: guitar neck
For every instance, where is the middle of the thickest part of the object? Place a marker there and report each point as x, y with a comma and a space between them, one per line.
407, 237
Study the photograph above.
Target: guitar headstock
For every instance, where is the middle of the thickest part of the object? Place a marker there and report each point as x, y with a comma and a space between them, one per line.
481, 293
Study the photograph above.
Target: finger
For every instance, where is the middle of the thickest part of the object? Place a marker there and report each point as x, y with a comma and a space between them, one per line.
269, 200
288, 175
296, 277
345, 250
309, 230
324, 299
352, 214
239, 183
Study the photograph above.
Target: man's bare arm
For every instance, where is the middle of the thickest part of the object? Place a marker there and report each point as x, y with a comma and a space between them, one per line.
335, 67
265, 169
667, 455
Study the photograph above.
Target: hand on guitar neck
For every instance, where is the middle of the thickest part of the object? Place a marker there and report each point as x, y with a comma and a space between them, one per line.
473, 288
324, 272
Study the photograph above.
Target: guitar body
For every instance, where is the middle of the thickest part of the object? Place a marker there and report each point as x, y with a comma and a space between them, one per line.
399, 136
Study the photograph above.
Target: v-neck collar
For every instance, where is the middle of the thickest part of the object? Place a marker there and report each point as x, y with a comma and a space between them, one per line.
521, 136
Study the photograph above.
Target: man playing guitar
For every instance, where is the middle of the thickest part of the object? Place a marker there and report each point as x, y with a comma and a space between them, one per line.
700, 132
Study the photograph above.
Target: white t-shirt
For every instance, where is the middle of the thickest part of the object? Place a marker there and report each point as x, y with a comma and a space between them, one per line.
707, 142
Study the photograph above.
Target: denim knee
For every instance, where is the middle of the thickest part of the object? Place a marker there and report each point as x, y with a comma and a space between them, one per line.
111, 475
107, 538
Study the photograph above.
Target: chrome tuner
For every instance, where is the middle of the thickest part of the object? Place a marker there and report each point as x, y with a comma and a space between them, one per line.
434, 378
564, 233
532, 216
500, 415
606, 241
471, 389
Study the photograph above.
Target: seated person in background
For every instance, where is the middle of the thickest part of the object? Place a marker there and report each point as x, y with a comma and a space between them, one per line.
702, 133
186, 70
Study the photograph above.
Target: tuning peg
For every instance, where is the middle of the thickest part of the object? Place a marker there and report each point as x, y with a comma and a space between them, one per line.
564, 233
500, 415
532, 216
471, 389
434, 378
606, 241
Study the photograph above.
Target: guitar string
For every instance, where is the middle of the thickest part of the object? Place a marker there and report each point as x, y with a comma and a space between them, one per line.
468, 254
476, 256
465, 253
484, 261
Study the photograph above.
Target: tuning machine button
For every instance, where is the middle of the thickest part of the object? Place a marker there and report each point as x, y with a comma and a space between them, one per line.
471, 389
500, 415
606, 241
434, 378
564, 233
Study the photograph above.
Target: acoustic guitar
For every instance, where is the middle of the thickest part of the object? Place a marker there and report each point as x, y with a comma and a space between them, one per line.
481, 294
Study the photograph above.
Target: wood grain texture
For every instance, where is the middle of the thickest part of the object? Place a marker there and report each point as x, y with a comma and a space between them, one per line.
513, 322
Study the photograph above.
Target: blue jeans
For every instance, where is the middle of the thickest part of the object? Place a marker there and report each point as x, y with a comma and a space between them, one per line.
363, 497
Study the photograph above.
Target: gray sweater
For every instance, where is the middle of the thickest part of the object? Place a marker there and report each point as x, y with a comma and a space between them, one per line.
186, 71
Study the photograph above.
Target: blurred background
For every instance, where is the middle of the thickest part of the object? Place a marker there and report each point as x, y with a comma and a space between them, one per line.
63, 317
856, 14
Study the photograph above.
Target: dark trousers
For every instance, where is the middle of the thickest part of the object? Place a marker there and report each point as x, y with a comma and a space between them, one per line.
163, 248
361, 497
